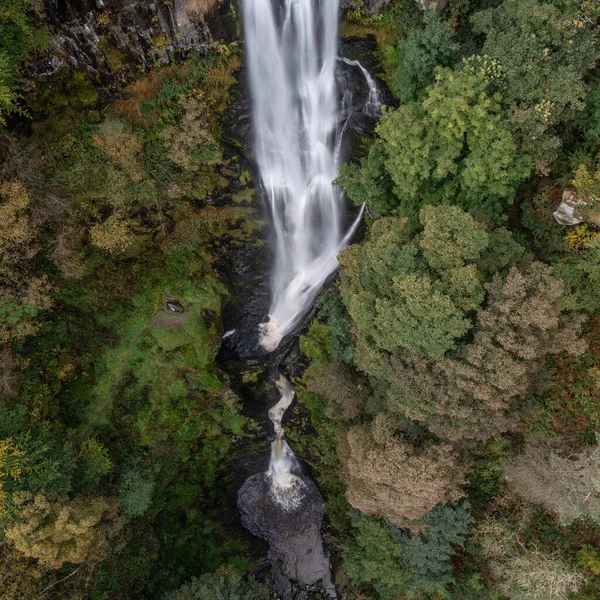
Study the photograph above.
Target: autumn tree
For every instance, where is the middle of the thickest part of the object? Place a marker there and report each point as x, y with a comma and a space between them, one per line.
567, 485
388, 476
342, 388
10, 466
477, 391
67, 531
22, 292
521, 572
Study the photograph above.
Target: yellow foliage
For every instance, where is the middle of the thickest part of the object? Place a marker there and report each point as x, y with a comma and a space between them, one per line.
189, 133
581, 237
121, 146
9, 467
587, 184
16, 233
58, 532
113, 234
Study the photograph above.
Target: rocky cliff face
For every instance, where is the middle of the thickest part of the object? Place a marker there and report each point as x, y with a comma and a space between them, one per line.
113, 40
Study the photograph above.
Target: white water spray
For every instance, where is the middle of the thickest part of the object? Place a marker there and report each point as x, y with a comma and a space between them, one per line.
286, 486
292, 52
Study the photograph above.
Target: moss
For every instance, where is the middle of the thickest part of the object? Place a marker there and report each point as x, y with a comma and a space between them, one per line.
244, 196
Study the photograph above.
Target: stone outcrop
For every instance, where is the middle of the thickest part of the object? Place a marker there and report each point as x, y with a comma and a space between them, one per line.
573, 210
111, 41
300, 567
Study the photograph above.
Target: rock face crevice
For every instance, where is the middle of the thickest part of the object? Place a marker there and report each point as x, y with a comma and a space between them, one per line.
112, 41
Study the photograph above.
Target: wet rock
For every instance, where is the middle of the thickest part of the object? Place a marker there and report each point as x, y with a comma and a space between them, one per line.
112, 41
300, 566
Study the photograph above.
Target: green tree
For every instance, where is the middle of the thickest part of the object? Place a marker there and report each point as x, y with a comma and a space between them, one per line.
135, 492
420, 53
545, 49
225, 584
385, 569
410, 293
452, 148
404, 562
94, 461
17, 36
332, 307
428, 553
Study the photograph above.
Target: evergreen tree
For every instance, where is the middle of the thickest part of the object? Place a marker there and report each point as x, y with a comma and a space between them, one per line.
225, 584
420, 53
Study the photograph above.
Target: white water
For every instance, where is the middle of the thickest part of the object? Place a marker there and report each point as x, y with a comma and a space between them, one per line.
286, 486
373, 105
292, 52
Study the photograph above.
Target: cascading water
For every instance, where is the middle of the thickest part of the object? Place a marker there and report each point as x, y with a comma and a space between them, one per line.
286, 486
292, 53
300, 117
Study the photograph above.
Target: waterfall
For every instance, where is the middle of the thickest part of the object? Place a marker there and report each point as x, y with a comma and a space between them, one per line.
286, 486
292, 53
373, 105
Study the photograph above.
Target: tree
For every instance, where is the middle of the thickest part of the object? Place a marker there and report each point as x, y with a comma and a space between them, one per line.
545, 49
390, 477
420, 53
385, 569
428, 554
452, 148
135, 492
332, 307
478, 391
57, 532
225, 584
94, 461
344, 391
10, 466
17, 37
427, 368
567, 485
523, 573
414, 293
405, 562
580, 271
22, 293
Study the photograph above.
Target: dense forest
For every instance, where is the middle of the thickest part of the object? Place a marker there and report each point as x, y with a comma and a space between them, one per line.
448, 400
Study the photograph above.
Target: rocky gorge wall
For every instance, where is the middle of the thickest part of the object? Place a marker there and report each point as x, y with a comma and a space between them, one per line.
111, 41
